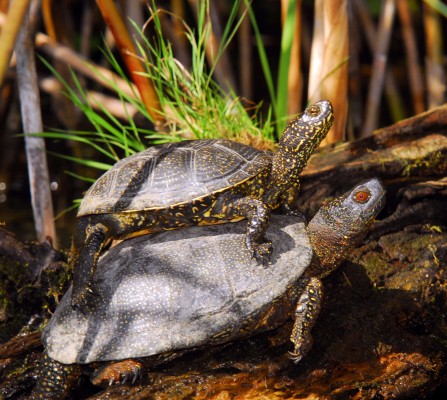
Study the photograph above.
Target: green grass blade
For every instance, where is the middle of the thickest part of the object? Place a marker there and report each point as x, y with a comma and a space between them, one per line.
283, 70
88, 163
194, 104
263, 58
80, 177
439, 6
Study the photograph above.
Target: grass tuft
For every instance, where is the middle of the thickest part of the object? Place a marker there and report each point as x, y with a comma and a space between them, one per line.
193, 105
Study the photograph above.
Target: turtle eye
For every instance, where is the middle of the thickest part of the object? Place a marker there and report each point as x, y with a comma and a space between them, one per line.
362, 196
314, 111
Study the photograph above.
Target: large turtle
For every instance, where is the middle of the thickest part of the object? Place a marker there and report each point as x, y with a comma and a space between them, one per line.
200, 182
200, 286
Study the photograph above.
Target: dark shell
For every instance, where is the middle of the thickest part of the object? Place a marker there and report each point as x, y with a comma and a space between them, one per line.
174, 173
180, 289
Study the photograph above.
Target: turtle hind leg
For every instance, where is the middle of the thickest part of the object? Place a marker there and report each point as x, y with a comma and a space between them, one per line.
88, 241
55, 380
117, 373
258, 215
306, 312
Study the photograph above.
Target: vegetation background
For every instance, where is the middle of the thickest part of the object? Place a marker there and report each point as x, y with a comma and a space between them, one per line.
136, 73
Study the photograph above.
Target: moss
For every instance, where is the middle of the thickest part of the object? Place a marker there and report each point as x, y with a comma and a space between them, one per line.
433, 228
403, 260
376, 267
25, 305
414, 247
432, 162
12, 277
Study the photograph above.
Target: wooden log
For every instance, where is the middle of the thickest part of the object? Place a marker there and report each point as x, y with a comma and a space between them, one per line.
20, 344
412, 150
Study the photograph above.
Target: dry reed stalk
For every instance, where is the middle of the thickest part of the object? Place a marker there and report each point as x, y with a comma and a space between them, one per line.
379, 66
6, 91
434, 60
32, 123
295, 78
223, 72
316, 54
103, 75
133, 10
86, 29
48, 21
355, 92
413, 65
4, 6
391, 90
58, 22
59, 29
245, 54
176, 32
114, 106
332, 49
128, 51
9, 32
93, 71
96, 100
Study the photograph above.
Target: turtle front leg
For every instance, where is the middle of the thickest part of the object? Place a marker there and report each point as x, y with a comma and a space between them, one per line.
288, 206
88, 241
306, 312
54, 380
258, 215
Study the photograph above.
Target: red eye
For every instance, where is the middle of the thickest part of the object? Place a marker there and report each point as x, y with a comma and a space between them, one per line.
362, 197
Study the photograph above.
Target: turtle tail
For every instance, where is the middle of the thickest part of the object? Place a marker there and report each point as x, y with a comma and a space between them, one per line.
54, 380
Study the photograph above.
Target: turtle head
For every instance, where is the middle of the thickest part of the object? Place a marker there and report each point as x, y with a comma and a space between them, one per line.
342, 223
299, 140
317, 118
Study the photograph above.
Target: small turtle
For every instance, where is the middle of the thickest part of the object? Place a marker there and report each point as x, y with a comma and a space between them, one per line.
200, 286
199, 182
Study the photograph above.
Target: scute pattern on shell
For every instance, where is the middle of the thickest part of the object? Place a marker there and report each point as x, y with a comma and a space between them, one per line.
173, 173
153, 299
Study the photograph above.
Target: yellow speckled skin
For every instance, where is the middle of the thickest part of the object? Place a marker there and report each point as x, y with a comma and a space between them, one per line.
334, 231
201, 182
56, 379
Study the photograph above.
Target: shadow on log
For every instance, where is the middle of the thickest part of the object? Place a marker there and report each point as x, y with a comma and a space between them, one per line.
413, 150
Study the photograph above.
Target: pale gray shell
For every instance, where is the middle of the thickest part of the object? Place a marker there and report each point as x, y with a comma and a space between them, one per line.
176, 290
173, 173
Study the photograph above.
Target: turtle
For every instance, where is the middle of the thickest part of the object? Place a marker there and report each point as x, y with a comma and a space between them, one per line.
187, 289
195, 182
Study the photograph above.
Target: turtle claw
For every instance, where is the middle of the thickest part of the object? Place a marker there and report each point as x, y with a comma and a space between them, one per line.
134, 373
295, 356
261, 252
264, 252
86, 301
118, 373
297, 214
